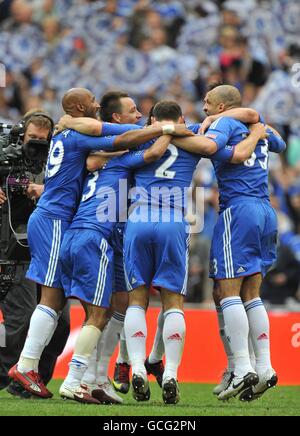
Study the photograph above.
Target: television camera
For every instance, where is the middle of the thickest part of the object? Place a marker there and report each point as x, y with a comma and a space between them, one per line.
17, 161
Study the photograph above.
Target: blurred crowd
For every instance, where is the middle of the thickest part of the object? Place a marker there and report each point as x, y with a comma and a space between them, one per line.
173, 49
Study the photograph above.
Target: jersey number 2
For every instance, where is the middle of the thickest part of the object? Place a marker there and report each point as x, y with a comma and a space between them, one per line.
163, 171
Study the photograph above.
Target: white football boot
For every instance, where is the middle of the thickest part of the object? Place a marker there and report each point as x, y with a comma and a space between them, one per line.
77, 393
226, 379
267, 381
238, 385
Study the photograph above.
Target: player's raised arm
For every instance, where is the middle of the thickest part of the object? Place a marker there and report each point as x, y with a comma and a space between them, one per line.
93, 127
134, 138
245, 115
244, 149
198, 144
215, 139
276, 142
96, 161
86, 126
158, 149
129, 139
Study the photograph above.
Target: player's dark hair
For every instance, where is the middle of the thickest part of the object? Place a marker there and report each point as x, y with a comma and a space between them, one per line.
214, 85
167, 110
150, 115
110, 103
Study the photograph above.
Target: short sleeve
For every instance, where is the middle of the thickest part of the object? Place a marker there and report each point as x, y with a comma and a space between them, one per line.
224, 154
194, 128
134, 159
276, 143
117, 129
94, 143
220, 132
261, 119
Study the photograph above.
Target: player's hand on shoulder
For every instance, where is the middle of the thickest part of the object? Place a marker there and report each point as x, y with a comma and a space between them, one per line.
96, 162
181, 130
260, 129
205, 125
174, 129
2, 197
63, 124
34, 191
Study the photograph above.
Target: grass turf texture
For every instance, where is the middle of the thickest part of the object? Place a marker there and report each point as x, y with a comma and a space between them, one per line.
196, 400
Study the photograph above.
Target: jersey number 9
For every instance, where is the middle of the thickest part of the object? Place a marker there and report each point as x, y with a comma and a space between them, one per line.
55, 158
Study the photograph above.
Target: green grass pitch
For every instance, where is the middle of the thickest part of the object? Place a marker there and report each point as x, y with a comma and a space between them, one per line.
196, 400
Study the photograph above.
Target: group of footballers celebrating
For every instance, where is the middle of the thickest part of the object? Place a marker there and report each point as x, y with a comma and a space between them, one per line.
88, 242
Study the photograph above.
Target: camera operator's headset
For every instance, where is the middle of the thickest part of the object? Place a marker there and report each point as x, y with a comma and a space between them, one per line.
18, 131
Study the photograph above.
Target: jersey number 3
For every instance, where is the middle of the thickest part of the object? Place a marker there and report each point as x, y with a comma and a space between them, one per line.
163, 171
91, 185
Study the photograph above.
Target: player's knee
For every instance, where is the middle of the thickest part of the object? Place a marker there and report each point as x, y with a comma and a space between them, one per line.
249, 294
53, 298
230, 288
139, 297
171, 300
251, 288
97, 317
120, 302
217, 294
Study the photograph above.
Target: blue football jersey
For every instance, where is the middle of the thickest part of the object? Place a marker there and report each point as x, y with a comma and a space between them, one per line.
66, 169
173, 171
105, 195
247, 179
194, 128
224, 154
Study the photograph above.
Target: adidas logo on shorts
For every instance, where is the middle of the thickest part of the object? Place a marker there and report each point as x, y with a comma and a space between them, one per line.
241, 270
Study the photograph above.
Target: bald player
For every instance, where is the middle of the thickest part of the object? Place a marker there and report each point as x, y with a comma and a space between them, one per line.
65, 172
243, 249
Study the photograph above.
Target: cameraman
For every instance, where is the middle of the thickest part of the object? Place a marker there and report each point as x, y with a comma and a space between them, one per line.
23, 295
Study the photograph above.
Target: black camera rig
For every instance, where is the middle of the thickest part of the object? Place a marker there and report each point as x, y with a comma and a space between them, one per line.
16, 161
8, 259
7, 267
